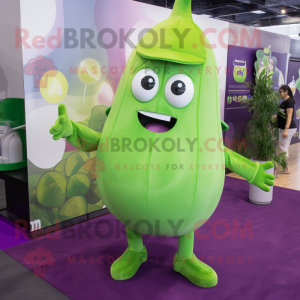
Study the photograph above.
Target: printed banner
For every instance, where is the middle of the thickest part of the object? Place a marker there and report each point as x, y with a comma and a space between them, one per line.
264, 50
75, 53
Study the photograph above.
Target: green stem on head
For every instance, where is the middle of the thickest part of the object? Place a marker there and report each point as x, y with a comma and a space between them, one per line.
182, 9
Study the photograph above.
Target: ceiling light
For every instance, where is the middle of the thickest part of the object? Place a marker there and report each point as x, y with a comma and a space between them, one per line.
291, 20
258, 12
283, 11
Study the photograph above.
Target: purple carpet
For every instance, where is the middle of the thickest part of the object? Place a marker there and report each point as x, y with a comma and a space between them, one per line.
9, 237
255, 251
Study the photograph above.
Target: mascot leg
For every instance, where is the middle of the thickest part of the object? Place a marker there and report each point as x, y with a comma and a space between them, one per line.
127, 265
187, 264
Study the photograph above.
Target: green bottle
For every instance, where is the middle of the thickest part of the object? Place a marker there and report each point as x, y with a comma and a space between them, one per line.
240, 70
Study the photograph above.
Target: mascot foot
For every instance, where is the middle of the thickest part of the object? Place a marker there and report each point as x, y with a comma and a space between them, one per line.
195, 271
127, 265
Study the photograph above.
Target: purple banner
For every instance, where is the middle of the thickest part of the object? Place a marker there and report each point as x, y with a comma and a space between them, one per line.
293, 76
241, 69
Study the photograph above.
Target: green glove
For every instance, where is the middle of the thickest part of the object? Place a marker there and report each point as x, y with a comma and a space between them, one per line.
262, 179
63, 126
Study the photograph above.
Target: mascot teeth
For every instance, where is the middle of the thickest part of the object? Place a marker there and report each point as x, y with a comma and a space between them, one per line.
156, 115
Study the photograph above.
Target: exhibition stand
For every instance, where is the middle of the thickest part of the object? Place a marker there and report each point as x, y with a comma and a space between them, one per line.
17, 206
87, 97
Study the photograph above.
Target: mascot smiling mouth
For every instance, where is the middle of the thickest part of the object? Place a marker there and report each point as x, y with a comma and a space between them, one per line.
156, 122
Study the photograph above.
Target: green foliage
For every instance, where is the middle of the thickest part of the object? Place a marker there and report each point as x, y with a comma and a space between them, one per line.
267, 51
98, 118
73, 208
99, 205
259, 54
266, 61
256, 64
67, 154
261, 128
74, 162
298, 82
93, 154
33, 183
60, 167
38, 213
85, 170
51, 190
93, 195
78, 185
57, 193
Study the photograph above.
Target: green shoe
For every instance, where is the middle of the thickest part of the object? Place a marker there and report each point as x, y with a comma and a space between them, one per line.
127, 265
195, 271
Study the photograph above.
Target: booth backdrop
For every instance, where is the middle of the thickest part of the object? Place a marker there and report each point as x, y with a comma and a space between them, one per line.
62, 65
78, 58
244, 43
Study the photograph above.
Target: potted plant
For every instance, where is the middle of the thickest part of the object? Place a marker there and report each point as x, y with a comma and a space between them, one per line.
262, 131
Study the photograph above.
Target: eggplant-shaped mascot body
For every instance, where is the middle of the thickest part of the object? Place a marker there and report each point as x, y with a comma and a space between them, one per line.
164, 166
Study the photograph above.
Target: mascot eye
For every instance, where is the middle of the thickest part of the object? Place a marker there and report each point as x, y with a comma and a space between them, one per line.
145, 85
179, 90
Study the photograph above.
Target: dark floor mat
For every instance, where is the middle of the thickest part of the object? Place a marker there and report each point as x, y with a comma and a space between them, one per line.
18, 282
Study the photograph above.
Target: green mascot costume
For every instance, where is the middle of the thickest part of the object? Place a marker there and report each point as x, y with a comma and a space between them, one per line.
160, 158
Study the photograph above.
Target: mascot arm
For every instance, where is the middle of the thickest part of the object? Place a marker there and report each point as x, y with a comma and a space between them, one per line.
78, 135
253, 172
240, 165
84, 138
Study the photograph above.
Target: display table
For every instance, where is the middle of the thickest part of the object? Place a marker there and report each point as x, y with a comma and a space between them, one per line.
17, 203
16, 191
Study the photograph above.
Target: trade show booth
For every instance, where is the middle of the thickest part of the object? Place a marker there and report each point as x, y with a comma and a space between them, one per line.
59, 66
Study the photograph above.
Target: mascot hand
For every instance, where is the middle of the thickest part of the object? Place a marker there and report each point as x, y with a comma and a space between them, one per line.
63, 126
262, 179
